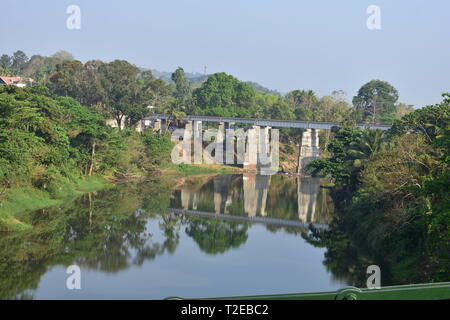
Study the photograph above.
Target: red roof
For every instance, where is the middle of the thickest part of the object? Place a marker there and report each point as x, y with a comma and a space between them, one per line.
11, 80
14, 80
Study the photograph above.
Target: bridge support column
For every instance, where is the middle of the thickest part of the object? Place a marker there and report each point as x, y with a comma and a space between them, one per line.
198, 147
163, 126
264, 148
229, 143
309, 148
157, 125
273, 153
315, 143
220, 140
187, 142
251, 151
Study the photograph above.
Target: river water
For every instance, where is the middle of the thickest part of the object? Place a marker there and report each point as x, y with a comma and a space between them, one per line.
211, 236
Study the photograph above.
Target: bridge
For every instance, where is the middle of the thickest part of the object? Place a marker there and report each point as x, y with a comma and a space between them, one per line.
269, 122
257, 149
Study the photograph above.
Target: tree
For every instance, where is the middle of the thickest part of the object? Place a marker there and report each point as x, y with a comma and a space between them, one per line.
183, 91
304, 104
63, 56
19, 60
158, 91
124, 96
222, 91
374, 100
5, 61
118, 88
297, 98
66, 81
430, 121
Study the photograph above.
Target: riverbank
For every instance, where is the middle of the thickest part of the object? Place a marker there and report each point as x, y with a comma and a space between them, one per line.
16, 202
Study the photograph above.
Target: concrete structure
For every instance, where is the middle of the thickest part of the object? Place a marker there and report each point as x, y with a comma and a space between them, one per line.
309, 148
220, 143
272, 122
251, 149
258, 149
198, 142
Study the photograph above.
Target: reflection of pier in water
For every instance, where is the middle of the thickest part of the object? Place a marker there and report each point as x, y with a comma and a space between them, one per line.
251, 193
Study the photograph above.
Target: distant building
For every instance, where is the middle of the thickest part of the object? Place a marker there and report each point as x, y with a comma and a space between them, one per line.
15, 81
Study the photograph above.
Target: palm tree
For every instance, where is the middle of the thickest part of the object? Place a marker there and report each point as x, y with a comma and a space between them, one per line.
370, 142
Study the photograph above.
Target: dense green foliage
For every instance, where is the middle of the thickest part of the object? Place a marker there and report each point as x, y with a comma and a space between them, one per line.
392, 192
49, 141
375, 100
123, 92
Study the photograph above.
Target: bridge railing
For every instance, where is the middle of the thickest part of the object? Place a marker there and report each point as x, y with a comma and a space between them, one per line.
270, 122
428, 291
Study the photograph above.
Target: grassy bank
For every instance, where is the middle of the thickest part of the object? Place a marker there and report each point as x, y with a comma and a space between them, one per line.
200, 169
18, 201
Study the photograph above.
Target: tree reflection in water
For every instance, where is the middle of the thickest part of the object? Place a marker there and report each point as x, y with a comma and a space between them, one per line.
113, 230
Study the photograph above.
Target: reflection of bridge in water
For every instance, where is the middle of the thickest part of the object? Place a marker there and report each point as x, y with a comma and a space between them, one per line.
262, 220
251, 198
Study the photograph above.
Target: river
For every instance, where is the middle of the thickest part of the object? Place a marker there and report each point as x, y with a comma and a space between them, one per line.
210, 236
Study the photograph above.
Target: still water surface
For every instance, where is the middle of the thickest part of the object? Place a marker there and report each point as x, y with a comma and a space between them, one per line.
153, 240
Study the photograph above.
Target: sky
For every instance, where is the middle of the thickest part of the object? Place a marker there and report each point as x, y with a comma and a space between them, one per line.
322, 45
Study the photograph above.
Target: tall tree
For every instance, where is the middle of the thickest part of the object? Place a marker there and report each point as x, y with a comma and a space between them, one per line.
124, 96
63, 55
224, 94
19, 60
374, 100
183, 90
5, 61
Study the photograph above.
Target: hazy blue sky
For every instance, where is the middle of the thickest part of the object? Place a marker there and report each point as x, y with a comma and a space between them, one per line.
323, 45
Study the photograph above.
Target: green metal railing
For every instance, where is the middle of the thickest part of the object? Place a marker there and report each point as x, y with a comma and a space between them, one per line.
429, 291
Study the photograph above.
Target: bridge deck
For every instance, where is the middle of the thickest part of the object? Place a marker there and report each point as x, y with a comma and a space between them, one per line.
271, 122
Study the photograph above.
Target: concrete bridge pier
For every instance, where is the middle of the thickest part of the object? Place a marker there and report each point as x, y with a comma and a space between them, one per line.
198, 138
315, 143
157, 125
163, 126
274, 152
264, 149
187, 141
251, 150
219, 144
229, 145
309, 148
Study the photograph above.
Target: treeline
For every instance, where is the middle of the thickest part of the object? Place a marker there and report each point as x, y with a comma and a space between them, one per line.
123, 92
48, 141
37, 67
392, 191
